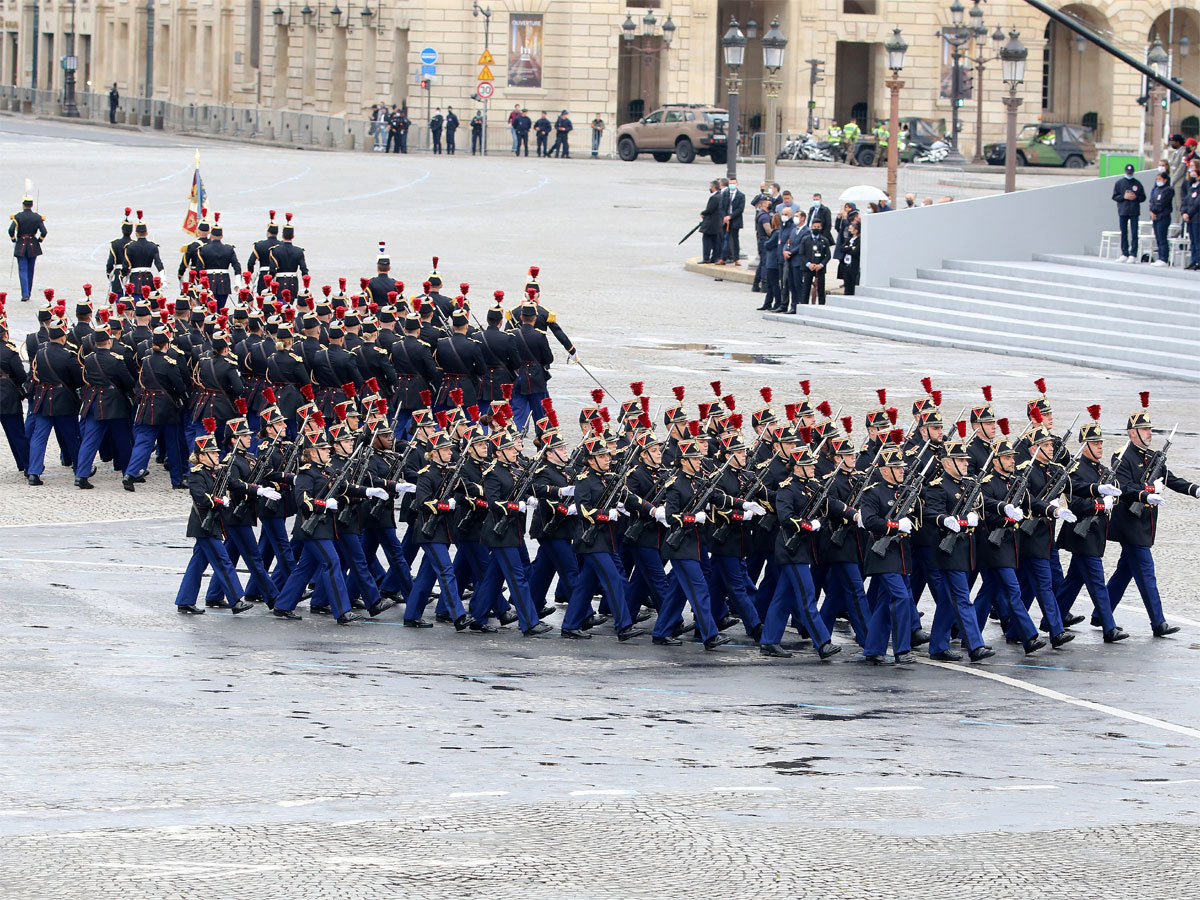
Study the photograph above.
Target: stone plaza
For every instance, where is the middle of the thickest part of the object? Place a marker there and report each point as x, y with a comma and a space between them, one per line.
148, 755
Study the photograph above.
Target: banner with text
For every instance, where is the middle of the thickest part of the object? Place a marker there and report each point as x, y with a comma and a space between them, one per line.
525, 50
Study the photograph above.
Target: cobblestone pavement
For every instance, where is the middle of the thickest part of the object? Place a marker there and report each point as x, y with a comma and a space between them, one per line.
146, 755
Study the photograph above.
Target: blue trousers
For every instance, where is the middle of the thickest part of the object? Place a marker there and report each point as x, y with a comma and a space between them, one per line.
403, 424
794, 595
435, 566
1193, 230
25, 266
844, 590
1037, 581
553, 556
67, 430
1087, 570
398, 579
18, 442
689, 578
729, 580
1136, 563
648, 580
892, 616
1002, 589
318, 563
91, 432
145, 437
209, 552
1162, 226
512, 569
524, 405
274, 538
954, 606
1129, 235
602, 570
766, 588
240, 543
359, 581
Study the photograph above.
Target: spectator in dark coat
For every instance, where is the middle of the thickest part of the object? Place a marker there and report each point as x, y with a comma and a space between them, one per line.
711, 226
1162, 200
1129, 196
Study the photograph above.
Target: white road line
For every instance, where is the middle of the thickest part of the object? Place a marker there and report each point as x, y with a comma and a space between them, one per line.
92, 522
1027, 787
480, 794
1177, 618
881, 788
97, 562
1151, 783
1067, 698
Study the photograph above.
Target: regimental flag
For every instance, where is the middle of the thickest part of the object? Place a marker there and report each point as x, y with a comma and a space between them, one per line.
197, 200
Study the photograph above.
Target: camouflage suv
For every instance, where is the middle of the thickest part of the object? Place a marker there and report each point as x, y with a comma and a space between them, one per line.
1048, 144
685, 130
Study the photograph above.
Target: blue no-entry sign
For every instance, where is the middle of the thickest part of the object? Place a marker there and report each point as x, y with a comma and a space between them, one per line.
429, 56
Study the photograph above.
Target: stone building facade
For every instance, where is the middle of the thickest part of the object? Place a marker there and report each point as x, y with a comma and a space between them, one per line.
573, 54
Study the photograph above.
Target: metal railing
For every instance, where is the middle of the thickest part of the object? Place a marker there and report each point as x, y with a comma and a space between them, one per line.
277, 126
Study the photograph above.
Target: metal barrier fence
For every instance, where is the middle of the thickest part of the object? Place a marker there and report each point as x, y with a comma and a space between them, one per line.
277, 126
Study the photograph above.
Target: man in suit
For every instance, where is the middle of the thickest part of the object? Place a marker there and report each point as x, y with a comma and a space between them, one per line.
821, 212
710, 224
1129, 195
793, 263
1178, 168
733, 205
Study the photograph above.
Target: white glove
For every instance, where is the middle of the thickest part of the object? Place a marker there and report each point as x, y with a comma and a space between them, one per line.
1158, 486
905, 525
221, 501
1066, 515
452, 503
621, 509
521, 507
754, 509
1055, 503
1108, 503
858, 519
572, 510
269, 493
376, 493
1196, 491
972, 519
701, 517
568, 491
660, 514
613, 513
951, 524
574, 357
331, 504
530, 502
1155, 500
405, 488
815, 524
747, 514
1013, 513
1107, 490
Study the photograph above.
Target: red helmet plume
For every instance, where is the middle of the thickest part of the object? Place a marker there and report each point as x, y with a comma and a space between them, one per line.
506, 391
597, 395
806, 434
881, 393
1003, 425
805, 386
729, 402
1094, 412
210, 425
847, 424
693, 428
927, 384
1144, 396
241, 406
349, 390
1035, 413
678, 392
456, 396
825, 409
765, 393
987, 392
961, 427
268, 394
306, 391
426, 397
716, 388
1040, 384
637, 387
893, 414
936, 397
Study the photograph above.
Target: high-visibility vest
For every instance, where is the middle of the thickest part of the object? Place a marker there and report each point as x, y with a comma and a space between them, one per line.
851, 131
834, 134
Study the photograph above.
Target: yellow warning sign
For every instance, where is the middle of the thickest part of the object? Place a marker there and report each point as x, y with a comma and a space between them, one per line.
485, 74
485, 59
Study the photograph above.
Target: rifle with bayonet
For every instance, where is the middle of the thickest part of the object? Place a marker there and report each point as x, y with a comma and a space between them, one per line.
520, 489
1016, 490
429, 526
1108, 475
906, 499
1154, 470
260, 468
966, 503
615, 486
220, 486
675, 537
334, 488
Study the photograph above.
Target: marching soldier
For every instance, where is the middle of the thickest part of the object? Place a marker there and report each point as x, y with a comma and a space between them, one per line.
189, 263
218, 383
335, 372
382, 288
115, 266
461, 361
287, 263
12, 392
215, 259
1037, 547
104, 408
544, 319
500, 354
162, 396
260, 256
530, 387
1093, 494
1143, 477
142, 257
416, 373
57, 379
840, 544
206, 525
27, 231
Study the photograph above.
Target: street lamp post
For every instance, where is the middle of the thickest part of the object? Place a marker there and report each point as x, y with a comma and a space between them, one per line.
1158, 60
773, 45
979, 30
896, 47
1012, 67
733, 44
956, 35
70, 65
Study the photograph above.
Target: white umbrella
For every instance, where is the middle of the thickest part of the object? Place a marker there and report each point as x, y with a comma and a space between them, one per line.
861, 195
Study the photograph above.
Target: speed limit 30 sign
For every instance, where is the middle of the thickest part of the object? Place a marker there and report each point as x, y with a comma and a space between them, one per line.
485, 89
